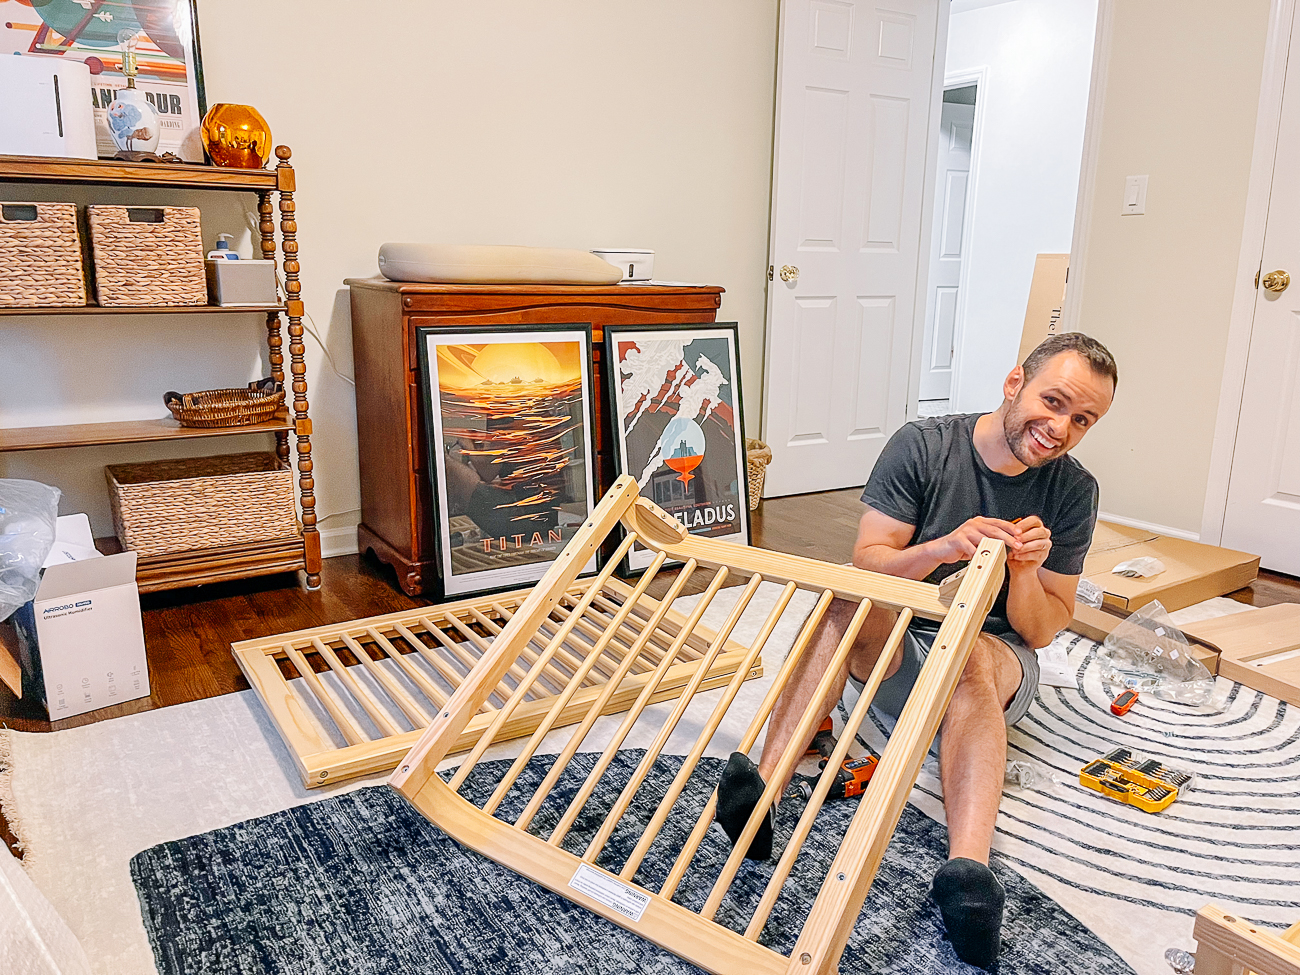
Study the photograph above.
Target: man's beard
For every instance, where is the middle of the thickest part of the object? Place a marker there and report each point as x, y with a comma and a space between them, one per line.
1015, 428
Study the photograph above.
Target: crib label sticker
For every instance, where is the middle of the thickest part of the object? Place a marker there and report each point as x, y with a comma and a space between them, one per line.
615, 894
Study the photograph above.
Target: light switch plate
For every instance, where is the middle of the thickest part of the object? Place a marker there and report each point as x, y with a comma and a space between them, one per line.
1135, 196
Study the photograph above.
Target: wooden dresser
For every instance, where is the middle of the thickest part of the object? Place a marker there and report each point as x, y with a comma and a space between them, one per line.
396, 512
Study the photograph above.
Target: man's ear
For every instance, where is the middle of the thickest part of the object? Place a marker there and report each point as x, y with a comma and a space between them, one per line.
1014, 382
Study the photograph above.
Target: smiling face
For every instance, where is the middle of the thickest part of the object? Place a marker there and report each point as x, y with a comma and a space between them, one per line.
1047, 415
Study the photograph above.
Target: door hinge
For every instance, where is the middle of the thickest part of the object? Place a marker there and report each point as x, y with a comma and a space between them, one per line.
1257, 273
771, 272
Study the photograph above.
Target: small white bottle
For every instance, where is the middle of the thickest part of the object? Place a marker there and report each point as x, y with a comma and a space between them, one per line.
223, 251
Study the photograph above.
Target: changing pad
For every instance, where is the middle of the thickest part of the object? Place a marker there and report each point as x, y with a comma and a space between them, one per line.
506, 264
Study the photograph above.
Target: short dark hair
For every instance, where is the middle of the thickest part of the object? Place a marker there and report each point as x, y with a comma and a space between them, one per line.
1096, 355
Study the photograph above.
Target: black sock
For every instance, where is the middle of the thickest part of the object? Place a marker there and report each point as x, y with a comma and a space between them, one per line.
739, 790
970, 900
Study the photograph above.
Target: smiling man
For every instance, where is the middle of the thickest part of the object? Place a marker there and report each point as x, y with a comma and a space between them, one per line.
940, 485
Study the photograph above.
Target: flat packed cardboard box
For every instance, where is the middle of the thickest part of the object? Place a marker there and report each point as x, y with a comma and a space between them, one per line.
81, 640
1193, 572
1046, 301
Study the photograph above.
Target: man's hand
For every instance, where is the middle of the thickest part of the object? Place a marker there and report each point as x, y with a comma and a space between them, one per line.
1035, 542
962, 543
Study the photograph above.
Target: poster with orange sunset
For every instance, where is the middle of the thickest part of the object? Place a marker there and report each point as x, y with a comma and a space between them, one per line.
510, 416
677, 425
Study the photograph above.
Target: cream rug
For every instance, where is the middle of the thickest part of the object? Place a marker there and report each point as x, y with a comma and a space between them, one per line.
85, 801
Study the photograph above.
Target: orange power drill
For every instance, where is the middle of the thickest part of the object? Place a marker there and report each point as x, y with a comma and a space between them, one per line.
853, 775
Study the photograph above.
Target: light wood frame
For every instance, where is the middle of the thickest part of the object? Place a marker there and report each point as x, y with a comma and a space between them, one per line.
1227, 945
379, 717
653, 914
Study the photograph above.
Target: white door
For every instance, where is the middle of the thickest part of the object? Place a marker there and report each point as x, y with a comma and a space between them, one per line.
1263, 509
854, 94
956, 128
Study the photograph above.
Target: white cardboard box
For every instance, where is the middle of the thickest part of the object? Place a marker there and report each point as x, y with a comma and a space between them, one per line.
81, 640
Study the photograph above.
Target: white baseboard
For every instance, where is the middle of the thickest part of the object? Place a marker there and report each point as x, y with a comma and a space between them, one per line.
1149, 526
338, 541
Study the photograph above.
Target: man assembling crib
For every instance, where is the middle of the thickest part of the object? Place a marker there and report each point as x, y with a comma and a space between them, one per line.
939, 486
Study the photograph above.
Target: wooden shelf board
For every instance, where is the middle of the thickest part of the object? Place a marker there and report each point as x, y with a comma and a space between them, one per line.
126, 431
177, 570
52, 169
97, 310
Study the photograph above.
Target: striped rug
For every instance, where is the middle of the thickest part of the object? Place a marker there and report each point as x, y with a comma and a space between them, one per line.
1137, 879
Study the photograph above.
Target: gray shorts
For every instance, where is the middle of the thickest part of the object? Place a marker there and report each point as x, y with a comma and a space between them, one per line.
894, 690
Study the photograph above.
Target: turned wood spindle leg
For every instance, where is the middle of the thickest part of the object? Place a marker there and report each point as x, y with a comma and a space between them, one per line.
298, 366
274, 341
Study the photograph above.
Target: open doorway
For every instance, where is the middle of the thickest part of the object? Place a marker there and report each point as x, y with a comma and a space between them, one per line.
1017, 76
952, 201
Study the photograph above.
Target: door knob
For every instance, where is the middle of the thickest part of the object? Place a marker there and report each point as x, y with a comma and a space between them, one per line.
791, 273
1275, 281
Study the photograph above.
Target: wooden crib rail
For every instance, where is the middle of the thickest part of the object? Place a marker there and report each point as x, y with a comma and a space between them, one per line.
1227, 945
614, 890
352, 698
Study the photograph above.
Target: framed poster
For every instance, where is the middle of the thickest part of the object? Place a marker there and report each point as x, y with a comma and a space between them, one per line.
166, 38
674, 397
508, 423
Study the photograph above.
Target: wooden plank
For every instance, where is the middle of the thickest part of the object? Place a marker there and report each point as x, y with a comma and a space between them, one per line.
844, 581
56, 169
287, 712
1227, 945
124, 431
97, 311
840, 900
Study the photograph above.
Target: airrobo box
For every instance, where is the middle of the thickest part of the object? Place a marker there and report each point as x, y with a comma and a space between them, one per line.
81, 640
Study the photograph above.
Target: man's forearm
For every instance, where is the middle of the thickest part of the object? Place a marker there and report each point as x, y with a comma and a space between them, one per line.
1034, 613
915, 562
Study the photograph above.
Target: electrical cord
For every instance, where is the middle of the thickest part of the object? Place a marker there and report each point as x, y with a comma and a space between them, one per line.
309, 326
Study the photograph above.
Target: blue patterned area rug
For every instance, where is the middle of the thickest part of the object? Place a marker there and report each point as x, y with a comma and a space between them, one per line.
361, 883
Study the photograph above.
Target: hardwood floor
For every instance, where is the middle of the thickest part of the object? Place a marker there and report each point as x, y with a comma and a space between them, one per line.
188, 632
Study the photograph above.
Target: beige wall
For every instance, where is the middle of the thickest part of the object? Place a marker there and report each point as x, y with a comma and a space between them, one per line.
581, 123
1180, 101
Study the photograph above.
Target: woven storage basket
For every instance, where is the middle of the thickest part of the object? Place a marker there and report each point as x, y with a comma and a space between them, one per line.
757, 456
147, 255
201, 502
257, 403
40, 256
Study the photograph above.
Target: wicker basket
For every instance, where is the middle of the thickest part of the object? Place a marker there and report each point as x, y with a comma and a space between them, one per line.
757, 456
40, 256
202, 502
147, 255
227, 407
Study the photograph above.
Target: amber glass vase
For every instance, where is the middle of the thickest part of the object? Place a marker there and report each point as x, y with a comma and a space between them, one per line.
236, 136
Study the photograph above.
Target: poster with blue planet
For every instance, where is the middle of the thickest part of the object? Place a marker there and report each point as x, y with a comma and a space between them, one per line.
675, 394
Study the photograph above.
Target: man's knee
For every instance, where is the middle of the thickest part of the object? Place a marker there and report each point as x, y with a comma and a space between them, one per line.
992, 668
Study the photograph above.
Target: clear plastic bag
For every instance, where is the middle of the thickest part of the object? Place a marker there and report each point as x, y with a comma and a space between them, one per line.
1147, 653
1032, 776
28, 511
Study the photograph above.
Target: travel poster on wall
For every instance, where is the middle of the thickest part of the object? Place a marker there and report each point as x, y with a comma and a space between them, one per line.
165, 35
508, 423
675, 411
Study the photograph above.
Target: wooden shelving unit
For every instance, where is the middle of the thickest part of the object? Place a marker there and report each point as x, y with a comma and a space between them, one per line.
236, 561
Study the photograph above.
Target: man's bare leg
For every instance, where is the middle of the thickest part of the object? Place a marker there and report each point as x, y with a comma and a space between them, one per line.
797, 697
972, 766
742, 782
973, 747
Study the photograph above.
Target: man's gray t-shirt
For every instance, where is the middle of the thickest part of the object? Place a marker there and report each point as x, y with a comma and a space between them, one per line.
931, 476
